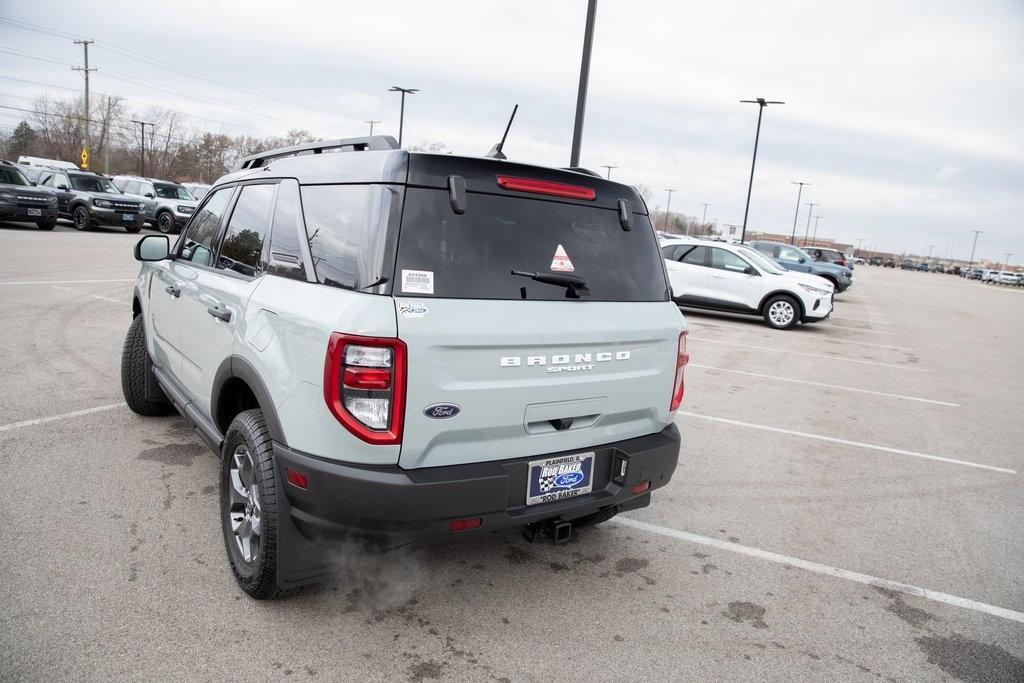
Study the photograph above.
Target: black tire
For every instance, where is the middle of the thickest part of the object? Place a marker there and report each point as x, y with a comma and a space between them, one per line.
133, 373
595, 518
81, 218
245, 490
781, 312
47, 224
165, 223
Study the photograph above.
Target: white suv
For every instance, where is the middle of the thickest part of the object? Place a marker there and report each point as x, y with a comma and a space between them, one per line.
737, 279
383, 343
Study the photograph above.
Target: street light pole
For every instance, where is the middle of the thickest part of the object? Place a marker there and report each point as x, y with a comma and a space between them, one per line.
930, 247
142, 147
704, 218
609, 170
761, 104
807, 230
401, 115
814, 237
581, 95
796, 214
667, 207
973, 247
1008, 254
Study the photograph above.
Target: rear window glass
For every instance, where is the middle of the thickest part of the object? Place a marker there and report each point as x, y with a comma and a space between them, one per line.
472, 255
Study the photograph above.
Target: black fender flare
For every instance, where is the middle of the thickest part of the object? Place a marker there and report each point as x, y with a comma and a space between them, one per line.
791, 295
240, 368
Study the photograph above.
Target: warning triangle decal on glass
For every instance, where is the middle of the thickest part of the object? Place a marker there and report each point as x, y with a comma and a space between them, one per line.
561, 262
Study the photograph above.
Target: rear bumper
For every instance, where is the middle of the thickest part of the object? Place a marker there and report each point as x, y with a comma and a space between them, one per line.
342, 501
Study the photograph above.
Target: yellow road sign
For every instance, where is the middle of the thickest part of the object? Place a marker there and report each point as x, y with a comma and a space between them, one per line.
85, 158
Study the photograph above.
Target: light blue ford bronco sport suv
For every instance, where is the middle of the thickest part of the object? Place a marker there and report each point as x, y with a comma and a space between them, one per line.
380, 344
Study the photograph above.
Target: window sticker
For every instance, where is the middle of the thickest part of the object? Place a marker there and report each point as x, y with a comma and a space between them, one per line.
561, 263
418, 281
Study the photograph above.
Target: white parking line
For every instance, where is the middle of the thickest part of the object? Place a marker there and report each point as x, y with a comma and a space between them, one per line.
63, 416
847, 442
880, 346
66, 282
862, 320
818, 568
826, 386
809, 354
861, 329
94, 296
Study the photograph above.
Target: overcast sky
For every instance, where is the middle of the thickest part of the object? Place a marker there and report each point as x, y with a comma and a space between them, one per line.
904, 115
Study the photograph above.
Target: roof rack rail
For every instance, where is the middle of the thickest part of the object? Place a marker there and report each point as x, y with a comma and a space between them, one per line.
580, 169
363, 144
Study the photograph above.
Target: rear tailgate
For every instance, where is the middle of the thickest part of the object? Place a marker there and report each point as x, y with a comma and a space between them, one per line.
502, 365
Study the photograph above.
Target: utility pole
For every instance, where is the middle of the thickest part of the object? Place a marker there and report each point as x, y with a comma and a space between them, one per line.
807, 230
371, 125
667, 207
761, 104
930, 247
142, 148
704, 218
401, 116
609, 170
796, 214
814, 237
973, 247
1008, 255
581, 95
85, 69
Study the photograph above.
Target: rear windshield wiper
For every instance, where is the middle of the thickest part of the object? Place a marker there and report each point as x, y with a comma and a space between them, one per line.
575, 286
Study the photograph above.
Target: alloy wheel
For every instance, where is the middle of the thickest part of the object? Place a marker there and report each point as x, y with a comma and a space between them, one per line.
781, 313
244, 507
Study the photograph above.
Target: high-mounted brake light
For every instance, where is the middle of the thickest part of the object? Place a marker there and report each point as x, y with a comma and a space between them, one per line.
682, 358
364, 386
545, 187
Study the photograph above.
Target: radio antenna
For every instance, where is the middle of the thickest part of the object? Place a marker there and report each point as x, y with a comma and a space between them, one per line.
496, 151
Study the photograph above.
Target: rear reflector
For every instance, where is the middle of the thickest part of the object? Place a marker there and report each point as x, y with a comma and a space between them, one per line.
640, 488
296, 479
465, 524
546, 187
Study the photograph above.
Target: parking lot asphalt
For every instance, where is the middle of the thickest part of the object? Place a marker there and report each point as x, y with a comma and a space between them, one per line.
849, 503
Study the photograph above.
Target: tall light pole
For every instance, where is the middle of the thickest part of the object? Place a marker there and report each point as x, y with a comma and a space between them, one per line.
581, 95
973, 247
142, 147
814, 237
796, 214
1006, 264
807, 230
401, 116
761, 104
667, 207
371, 126
704, 218
930, 247
609, 170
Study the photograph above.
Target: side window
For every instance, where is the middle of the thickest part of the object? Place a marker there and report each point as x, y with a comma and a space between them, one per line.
119, 184
47, 181
343, 228
723, 259
198, 241
765, 249
285, 252
243, 240
146, 188
131, 187
695, 256
789, 254
669, 252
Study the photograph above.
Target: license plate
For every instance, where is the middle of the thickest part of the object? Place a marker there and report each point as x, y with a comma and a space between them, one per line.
128, 216
566, 476
35, 212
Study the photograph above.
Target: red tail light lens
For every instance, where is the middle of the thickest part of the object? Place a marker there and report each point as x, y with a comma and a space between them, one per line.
465, 524
364, 386
682, 358
546, 187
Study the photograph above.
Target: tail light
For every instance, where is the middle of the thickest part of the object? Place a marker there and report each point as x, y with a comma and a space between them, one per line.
545, 187
364, 386
682, 358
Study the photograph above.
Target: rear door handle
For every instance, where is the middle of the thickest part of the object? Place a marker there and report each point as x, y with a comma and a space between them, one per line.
173, 290
220, 312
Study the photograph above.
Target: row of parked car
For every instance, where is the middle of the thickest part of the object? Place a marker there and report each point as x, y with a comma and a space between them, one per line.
782, 283
43, 190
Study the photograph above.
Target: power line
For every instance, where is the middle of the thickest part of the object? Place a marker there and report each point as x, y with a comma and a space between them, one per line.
82, 118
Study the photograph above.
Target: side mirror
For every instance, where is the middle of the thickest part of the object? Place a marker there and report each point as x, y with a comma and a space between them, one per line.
152, 248
62, 187
33, 183
801, 260
149, 195
750, 270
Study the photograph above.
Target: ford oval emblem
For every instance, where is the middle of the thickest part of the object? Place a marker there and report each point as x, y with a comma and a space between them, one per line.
568, 479
441, 411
